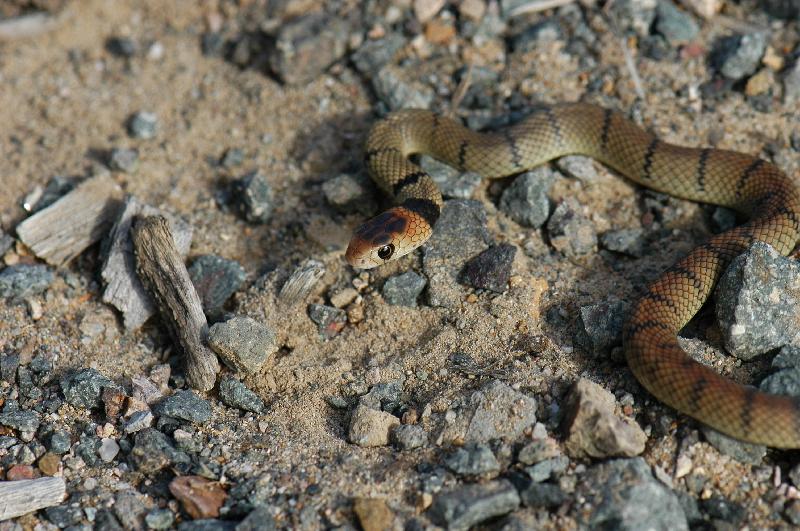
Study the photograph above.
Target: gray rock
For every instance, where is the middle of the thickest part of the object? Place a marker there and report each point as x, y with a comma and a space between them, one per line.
307, 45
124, 159
129, 509
152, 451
63, 516
569, 231
786, 379
122, 46
384, 396
350, 193
254, 195
233, 157
719, 508
105, 520
536, 35
138, 421
623, 494
159, 519
84, 388
403, 289
491, 269
451, 182
578, 166
259, 519
756, 301
9, 363
207, 524
243, 343
59, 442
538, 450
676, 25
548, 468
6, 241
216, 279
599, 326
743, 452
547, 495
632, 242
234, 393
475, 459
637, 15
738, 56
329, 320
370, 427
460, 234
469, 505
24, 280
494, 411
409, 436
20, 419
792, 512
373, 54
184, 405
108, 450
143, 125
525, 200
396, 91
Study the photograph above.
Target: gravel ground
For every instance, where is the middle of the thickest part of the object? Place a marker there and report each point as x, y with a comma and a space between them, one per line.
477, 382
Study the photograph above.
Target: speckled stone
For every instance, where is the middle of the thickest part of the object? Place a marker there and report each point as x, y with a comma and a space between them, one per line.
525, 200
738, 56
242, 343
403, 289
468, 505
84, 388
255, 198
491, 269
143, 125
216, 278
234, 393
184, 405
24, 280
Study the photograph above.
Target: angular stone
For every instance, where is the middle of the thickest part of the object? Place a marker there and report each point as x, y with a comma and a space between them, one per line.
403, 289
234, 393
469, 505
243, 343
216, 278
525, 200
84, 388
491, 269
369, 427
184, 405
307, 45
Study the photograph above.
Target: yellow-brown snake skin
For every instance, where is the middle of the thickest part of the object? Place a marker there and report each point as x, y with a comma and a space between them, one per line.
749, 185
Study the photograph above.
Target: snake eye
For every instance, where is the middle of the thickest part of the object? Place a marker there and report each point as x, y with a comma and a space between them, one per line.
386, 252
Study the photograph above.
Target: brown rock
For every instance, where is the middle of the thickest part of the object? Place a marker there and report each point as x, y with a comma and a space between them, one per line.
593, 429
18, 472
200, 497
113, 399
370, 427
439, 32
373, 514
425, 10
50, 464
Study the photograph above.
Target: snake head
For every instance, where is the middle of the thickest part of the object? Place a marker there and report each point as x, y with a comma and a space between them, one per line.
386, 237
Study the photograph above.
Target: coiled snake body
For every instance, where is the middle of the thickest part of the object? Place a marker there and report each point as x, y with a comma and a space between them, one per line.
749, 185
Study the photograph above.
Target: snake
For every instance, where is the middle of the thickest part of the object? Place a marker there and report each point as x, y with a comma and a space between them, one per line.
757, 189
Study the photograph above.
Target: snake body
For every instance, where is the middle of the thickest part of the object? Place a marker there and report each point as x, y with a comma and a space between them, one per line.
749, 185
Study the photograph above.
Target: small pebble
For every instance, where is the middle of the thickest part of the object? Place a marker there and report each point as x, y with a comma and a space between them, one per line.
677, 25
124, 159
84, 388
525, 200
738, 56
254, 194
138, 421
397, 90
108, 450
243, 343
409, 436
143, 125
469, 505
153, 451
491, 269
49, 464
184, 405
627, 241
216, 278
122, 46
599, 326
24, 280
569, 231
159, 519
59, 442
329, 320
403, 289
473, 460
370, 427
373, 54
232, 157
373, 514
350, 193
234, 393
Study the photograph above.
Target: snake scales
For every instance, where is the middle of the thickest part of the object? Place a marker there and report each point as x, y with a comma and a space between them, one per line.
752, 186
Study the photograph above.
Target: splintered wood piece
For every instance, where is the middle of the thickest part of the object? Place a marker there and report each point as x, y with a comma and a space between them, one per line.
124, 290
60, 232
28, 495
164, 275
301, 282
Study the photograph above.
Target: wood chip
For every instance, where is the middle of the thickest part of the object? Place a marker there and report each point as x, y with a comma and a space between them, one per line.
60, 232
301, 282
124, 290
161, 269
27, 496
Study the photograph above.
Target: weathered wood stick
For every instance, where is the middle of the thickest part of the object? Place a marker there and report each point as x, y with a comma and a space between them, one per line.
60, 232
28, 495
164, 275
